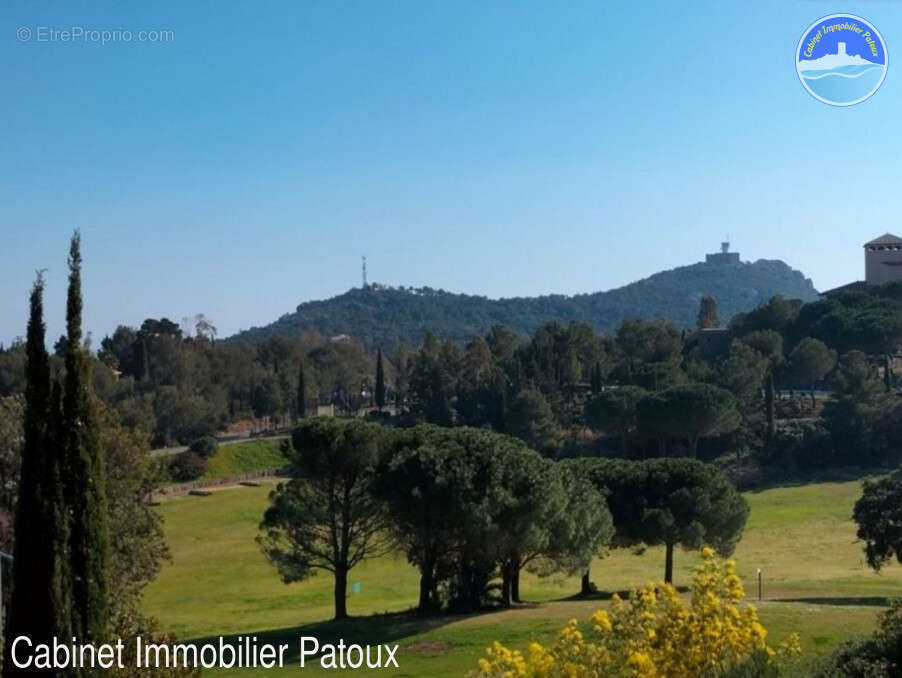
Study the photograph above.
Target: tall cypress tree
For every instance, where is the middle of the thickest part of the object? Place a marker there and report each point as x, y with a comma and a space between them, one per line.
38, 604
595, 382
302, 393
85, 476
769, 403
380, 381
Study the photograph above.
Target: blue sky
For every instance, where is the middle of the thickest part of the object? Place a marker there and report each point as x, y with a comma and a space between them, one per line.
505, 148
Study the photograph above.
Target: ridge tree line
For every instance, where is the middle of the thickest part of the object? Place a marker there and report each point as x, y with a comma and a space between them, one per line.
649, 389
74, 502
471, 509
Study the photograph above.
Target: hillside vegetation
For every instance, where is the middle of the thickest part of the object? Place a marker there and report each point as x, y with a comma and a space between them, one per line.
389, 317
250, 457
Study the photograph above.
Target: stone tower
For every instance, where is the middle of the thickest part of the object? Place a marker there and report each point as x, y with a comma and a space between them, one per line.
883, 259
725, 256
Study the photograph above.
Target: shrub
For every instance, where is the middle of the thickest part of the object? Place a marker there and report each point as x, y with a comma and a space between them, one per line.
656, 635
187, 466
876, 657
205, 447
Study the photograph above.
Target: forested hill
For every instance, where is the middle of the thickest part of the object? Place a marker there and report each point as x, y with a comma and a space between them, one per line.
387, 317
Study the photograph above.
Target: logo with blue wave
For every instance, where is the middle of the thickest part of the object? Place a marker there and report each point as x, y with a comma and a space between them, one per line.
841, 59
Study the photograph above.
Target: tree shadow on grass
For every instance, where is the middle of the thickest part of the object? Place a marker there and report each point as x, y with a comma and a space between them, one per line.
378, 629
607, 595
849, 601
782, 480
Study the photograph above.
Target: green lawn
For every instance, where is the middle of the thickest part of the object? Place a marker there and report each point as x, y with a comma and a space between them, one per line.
218, 583
239, 458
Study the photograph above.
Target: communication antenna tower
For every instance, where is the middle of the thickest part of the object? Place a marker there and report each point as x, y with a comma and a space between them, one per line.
363, 268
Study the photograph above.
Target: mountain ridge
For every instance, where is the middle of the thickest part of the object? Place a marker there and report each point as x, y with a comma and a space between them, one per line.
391, 316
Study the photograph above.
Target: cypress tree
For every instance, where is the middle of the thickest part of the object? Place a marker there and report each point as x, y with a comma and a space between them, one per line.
769, 404
302, 393
85, 476
595, 383
37, 604
380, 381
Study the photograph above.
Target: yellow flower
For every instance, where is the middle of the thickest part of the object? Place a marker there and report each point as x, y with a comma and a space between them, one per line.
653, 634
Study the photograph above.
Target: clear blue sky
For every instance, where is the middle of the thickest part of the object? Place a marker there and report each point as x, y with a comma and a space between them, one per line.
502, 148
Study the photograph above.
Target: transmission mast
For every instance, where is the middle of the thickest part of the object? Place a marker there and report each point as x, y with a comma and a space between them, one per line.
363, 268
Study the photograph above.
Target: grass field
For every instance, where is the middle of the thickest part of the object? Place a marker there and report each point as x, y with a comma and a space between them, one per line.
240, 458
218, 583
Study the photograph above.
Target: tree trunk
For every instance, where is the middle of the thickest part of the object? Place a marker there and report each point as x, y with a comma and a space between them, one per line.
515, 584
341, 594
693, 447
586, 585
506, 585
426, 586
668, 564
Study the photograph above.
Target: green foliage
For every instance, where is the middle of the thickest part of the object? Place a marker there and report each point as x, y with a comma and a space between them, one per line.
39, 604
742, 373
326, 517
655, 341
769, 343
530, 419
868, 321
248, 457
617, 480
12, 369
778, 313
187, 466
863, 420
669, 502
615, 411
878, 514
73, 575
691, 504
688, 413
301, 396
810, 361
877, 657
12, 412
85, 476
205, 447
579, 533
466, 504
433, 381
380, 381
391, 317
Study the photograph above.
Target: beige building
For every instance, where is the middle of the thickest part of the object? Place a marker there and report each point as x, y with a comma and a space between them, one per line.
883, 259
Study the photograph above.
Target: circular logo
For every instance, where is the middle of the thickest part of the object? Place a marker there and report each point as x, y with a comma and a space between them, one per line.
841, 59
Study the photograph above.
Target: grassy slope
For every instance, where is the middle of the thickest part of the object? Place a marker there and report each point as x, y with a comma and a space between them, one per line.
218, 583
239, 458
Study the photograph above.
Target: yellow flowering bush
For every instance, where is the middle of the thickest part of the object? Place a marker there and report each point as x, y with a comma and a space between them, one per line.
654, 634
